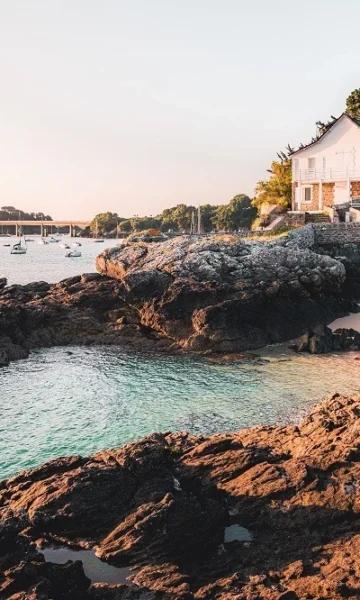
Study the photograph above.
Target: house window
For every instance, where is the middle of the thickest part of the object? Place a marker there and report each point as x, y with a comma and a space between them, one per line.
311, 163
307, 194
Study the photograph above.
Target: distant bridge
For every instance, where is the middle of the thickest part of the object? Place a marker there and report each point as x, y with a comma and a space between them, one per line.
45, 226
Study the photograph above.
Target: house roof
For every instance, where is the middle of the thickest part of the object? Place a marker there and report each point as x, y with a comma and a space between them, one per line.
356, 121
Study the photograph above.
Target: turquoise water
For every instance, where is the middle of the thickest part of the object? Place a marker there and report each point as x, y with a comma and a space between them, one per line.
78, 400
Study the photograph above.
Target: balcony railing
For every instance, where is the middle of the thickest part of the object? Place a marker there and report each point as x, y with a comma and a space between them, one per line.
308, 175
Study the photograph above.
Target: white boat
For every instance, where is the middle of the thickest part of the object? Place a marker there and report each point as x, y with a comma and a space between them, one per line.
43, 241
19, 247
77, 244
74, 253
64, 245
52, 240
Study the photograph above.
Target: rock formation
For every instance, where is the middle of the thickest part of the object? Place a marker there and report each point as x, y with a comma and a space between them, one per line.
208, 295
161, 505
86, 309
226, 295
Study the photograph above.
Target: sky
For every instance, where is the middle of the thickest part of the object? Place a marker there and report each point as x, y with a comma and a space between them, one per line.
133, 106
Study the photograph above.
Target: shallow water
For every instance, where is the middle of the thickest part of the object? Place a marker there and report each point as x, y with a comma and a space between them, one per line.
63, 401
94, 568
236, 533
48, 263
351, 321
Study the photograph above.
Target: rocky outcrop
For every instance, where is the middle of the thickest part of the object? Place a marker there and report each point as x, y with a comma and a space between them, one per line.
225, 295
322, 340
218, 295
86, 309
161, 505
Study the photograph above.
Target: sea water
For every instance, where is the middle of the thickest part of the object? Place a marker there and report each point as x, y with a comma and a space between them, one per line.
48, 262
77, 400
63, 401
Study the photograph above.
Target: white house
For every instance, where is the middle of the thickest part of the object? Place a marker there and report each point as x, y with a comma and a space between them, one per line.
326, 172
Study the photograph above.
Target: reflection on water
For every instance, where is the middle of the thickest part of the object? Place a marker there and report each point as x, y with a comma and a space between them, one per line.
236, 533
94, 568
56, 403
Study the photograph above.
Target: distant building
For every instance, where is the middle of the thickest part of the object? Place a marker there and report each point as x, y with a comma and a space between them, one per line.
326, 173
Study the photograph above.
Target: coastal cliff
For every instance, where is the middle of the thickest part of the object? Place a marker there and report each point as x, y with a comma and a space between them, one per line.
165, 505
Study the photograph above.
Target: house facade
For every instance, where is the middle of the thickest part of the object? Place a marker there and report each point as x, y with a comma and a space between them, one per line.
326, 173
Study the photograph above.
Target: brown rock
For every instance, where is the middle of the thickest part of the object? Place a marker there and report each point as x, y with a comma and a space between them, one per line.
161, 505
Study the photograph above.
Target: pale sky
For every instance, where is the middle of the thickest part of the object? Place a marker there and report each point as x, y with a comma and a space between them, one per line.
137, 105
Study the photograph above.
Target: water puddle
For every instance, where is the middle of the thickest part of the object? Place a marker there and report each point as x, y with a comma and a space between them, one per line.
94, 568
236, 533
351, 321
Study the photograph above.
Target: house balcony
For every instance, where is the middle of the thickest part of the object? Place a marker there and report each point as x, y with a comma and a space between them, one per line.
326, 175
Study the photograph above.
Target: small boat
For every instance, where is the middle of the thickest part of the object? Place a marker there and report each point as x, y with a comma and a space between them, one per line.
77, 244
52, 240
74, 253
64, 245
7, 245
98, 241
43, 241
19, 247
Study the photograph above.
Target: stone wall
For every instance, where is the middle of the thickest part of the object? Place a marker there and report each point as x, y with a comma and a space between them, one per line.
355, 189
314, 204
295, 219
328, 194
336, 233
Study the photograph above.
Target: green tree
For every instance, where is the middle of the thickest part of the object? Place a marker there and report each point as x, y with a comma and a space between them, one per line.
142, 223
104, 223
353, 104
177, 217
276, 189
125, 226
208, 213
239, 213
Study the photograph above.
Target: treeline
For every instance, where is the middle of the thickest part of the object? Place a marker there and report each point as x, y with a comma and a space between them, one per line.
10, 213
238, 213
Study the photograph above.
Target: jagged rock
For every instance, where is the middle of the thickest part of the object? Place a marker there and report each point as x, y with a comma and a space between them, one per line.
322, 340
226, 296
77, 310
203, 295
161, 506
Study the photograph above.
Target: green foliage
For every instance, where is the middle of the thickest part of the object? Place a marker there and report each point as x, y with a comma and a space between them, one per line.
10, 213
125, 226
177, 218
143, 223
239, 213
276, 189
353, 104
104, 223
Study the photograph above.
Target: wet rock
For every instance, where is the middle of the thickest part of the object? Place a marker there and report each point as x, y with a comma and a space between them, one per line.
322, 340
79, 310
162, 506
